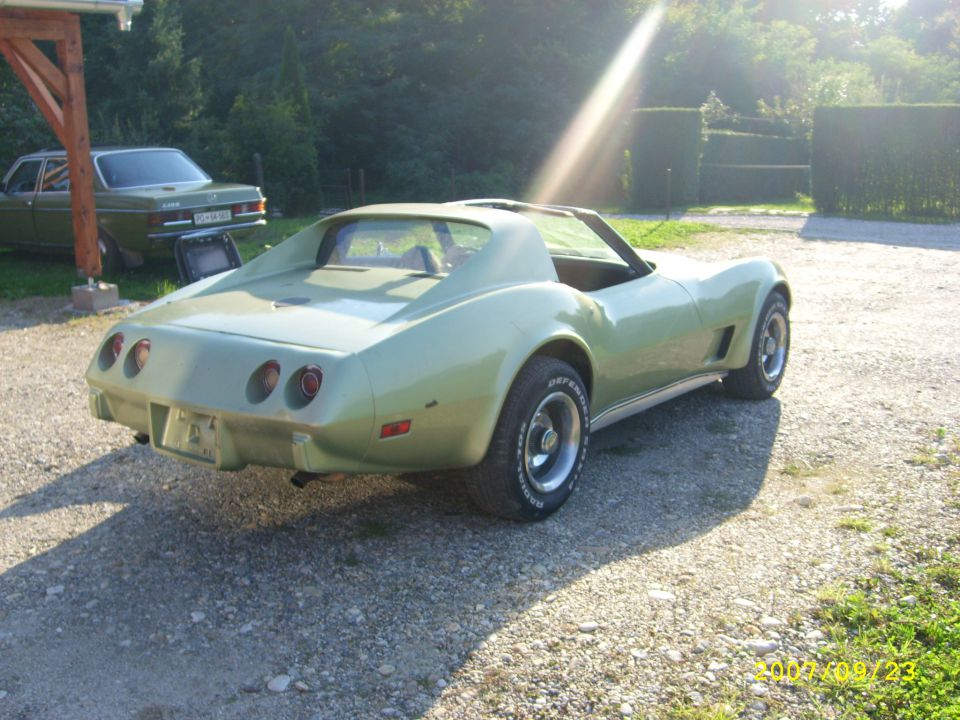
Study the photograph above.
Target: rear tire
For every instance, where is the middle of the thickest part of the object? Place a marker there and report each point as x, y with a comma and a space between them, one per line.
769, 349
539, 445
111, 260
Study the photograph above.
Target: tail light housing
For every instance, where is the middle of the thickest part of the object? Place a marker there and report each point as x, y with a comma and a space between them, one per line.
269, 376
116, 346
311, 378
166, 219
253, 207
141, 352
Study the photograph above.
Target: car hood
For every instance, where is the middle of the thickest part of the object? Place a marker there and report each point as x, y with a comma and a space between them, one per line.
333, 309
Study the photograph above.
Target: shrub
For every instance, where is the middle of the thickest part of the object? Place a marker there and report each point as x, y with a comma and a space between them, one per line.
893, 160
730, 183
751, 149
664, 138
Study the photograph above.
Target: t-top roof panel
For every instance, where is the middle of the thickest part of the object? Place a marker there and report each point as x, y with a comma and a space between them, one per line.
123, 9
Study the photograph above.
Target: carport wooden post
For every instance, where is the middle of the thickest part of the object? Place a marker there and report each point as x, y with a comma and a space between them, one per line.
60, 95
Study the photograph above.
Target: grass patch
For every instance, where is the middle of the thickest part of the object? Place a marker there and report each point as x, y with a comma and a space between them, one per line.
858, 524
914, 645
654, 234
801, 204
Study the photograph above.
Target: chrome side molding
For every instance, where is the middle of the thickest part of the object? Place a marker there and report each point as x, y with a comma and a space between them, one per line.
637, 404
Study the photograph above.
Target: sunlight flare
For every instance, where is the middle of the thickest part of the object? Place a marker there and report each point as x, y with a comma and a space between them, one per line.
599, 114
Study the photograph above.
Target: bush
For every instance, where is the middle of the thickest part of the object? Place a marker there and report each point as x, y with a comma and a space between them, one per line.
730, 183
894, 160
750, 149
664, 138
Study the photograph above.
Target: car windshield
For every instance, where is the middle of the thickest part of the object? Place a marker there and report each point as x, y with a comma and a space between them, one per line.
140, 168
431, 246
566, 235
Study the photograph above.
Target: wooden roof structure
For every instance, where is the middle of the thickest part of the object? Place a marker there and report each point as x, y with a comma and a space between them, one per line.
58, 90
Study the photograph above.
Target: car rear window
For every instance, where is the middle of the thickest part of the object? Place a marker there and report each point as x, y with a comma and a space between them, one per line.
434, 247
141, 168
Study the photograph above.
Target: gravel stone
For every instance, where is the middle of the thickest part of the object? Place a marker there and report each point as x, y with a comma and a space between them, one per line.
589, 627
661, 595
279, 684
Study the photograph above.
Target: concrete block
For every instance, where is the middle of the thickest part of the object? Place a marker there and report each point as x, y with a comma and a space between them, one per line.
96, 297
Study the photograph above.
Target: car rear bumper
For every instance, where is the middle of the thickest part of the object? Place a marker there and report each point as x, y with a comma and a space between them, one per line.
200, 231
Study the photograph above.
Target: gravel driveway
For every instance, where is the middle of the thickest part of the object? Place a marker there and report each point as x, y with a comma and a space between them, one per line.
134, 586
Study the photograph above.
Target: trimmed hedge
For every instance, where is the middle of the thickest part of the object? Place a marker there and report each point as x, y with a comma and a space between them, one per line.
751, 149
748, 184
894, 160
664, 138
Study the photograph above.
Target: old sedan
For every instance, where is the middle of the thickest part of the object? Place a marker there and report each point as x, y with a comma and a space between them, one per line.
146, 199
491, 336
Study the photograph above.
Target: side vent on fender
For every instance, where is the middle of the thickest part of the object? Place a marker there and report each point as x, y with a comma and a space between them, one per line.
726, 335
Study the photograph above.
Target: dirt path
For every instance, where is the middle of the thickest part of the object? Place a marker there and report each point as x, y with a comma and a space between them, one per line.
133, 586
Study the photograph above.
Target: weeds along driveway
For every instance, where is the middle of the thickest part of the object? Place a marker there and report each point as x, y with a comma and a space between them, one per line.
135, 586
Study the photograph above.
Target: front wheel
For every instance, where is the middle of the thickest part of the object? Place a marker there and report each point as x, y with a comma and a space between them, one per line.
763, 373
539, 445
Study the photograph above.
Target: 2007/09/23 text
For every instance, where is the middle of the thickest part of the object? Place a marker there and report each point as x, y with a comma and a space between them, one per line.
841, 672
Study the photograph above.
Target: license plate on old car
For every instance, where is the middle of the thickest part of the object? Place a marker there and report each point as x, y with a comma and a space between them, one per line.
214, 216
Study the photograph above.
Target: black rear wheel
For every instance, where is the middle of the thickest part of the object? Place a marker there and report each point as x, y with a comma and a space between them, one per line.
111, 261
539, 445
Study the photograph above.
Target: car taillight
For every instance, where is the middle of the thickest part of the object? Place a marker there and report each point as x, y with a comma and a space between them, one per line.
250, 208
179, 217
270, 376
116, 346
311, 377
111, 350
141, 351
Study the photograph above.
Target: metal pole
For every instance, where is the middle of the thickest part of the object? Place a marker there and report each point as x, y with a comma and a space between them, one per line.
349, 188
258, 168
363, 187
669, 189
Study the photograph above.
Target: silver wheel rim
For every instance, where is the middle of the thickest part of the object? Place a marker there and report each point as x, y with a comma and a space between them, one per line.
773, 347
552, 442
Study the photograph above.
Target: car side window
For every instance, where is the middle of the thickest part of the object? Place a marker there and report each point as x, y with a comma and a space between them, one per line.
56, 176
24, 178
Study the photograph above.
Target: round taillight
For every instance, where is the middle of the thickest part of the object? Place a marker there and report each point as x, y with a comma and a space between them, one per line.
270, 376
311, 377
141, 351
116, 345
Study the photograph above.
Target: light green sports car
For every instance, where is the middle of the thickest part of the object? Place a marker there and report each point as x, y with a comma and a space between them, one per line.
488, 335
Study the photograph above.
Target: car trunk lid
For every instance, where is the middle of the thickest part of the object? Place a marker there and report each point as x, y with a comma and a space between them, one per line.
336, 308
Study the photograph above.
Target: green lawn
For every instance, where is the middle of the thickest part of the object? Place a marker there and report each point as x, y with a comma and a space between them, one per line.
25, 274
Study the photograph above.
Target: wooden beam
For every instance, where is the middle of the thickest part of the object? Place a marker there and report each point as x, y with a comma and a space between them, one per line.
77, 133
34, 84
36, 29
41, 64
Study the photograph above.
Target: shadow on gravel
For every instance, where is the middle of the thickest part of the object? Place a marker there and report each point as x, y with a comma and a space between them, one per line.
201, 585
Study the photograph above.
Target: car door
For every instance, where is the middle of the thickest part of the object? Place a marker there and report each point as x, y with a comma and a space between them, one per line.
650, 336
52, 211
16, 203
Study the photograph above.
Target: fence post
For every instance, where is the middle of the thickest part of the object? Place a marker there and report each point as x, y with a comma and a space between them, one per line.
669, 189
363, 187
349, 188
